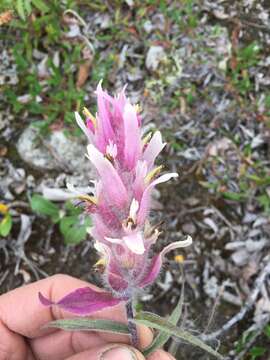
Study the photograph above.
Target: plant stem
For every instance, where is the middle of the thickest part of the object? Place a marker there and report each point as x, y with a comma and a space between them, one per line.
131, 326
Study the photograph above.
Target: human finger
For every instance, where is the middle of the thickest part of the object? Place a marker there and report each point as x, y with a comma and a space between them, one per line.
160, 355
109, 352
13, 346
22, 313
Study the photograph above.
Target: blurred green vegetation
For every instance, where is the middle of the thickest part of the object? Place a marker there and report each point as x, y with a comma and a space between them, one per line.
256, 352
72, 222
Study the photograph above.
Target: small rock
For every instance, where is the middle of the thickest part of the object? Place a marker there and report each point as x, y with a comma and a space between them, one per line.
260, 221
148, 26
189, 228
249, 218
220, 145
211, 224
219, 14
154, 56
258, 245
24, 99
192, 201
135, 75
130, 3
211, 287
104, 21
235, 245
159, 22
240, 257
57, 152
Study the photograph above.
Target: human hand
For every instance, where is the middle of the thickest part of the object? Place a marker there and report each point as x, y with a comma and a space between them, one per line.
23, 336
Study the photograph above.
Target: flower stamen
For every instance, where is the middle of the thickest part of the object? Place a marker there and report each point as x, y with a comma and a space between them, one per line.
111, 152
147, 138
153, 173
89, 116
87, 198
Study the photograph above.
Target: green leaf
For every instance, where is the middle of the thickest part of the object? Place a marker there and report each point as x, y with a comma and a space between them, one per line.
267, 331
156, 322
233, 196
264, 201
71, 209
41, 6
261, 181
73, 232
6, 225
20, 9
43, 206
89, 325
162, 336
208, 185
256, 352
27, 5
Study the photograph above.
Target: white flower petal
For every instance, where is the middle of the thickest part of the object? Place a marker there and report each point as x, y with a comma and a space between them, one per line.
177, 245
134, 207
135, 243
83, 127
113, 240
152, 150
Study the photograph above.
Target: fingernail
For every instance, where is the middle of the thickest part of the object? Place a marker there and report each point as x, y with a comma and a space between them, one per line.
118, 353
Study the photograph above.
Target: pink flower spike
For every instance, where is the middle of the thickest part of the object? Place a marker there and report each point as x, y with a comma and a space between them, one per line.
152, 150
115, 189
132, 136
83, 301
126, 176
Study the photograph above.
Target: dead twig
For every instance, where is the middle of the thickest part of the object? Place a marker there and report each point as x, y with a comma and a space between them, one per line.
246, 308
214, 308
18, 248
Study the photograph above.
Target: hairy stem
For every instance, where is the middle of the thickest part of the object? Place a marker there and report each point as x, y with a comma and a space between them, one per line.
131, 326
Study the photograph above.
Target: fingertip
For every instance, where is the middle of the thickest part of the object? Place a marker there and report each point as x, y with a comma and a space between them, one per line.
145, 336
110, 352
121, 352
160, 355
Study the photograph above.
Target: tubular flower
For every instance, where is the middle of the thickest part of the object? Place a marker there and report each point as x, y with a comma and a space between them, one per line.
126, 177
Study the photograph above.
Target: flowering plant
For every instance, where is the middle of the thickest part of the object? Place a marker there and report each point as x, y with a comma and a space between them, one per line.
126, 176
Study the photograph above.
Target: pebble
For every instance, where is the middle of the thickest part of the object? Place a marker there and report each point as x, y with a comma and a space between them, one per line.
154, 57
55, 152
